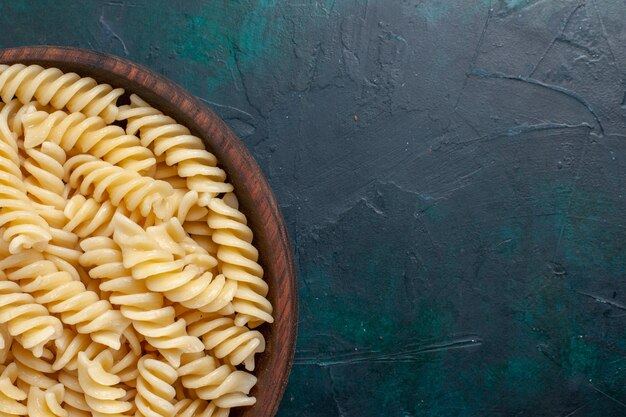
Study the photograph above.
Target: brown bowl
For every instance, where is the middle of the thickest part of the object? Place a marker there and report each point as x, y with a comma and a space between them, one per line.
253, 191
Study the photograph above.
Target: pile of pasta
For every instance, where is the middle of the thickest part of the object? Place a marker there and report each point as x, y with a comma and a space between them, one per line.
129, 284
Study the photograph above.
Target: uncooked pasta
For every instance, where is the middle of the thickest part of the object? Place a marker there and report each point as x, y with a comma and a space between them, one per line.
129, 283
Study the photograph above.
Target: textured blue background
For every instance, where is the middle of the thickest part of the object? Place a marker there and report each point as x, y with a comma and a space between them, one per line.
451, 173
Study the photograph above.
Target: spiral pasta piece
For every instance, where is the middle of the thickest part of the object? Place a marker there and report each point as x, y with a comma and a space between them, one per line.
6, 340
239, 261
11, 115
99, 384
180, 147
48, 192
10, 395
91, 175
155, 394
199, 408
75, 402
24, 227
144, 308
61, 294
63, 247
52, 86
188, 284
86, 217
223, 384
46, 403
125, 367
32, 370
45, 183
69, 345
169, 174
29, 322
76, 132
183, 205
220, 335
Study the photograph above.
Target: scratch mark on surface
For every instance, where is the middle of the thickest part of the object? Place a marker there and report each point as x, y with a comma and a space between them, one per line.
225, 106
108, 29
556, 38
577, 409
615, 400
603, 300
526, 128
481, 73
604, 34
583, 154
243, 83
403, 356
340, 412
475, 55
541, 348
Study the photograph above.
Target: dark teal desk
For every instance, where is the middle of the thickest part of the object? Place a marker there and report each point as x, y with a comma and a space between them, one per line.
452, 176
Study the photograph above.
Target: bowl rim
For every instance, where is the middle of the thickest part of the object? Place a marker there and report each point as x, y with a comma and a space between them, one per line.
252, 188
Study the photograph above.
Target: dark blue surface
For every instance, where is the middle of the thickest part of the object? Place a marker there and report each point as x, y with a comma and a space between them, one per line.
451, 173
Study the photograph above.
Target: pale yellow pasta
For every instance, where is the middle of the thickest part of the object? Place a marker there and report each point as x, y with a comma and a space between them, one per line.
169, 174
77, 133
65, 296
198, 408
86, 217
11, 115
155, 394
183, 205
144, 308
188, 284
239, 262
102, 394
221, 383
102, 180
11, 396
52, 86
179, 146
63, 246
33, 371
28, 321
129, 284
227, 341
69, 345
46, 403
44, 184
125, 367
75, 402
6, 341
24, 227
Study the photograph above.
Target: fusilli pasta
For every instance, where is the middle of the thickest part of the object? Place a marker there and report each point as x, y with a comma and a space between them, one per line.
144, 308
61, 294
198, 408
180, 147
24, 227
221, 383
51, 86
155, 394
112, 216
46, 403
235, 344
239, 261
179, 281
101, 393
94, 176
76, 133
10, 395
28, 321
